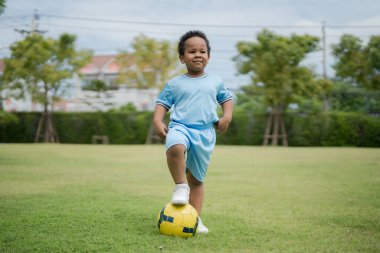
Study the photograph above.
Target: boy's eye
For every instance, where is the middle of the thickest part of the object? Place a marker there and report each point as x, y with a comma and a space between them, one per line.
194, 51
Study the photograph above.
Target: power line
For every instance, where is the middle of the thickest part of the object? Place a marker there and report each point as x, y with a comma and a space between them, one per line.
12, 21
199, 25
14, 17
139, 31
105, 29
6, 27
177, 24
206, 25
174, 24
353, 26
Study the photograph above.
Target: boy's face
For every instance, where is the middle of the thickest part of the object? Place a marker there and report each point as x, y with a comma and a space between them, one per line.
195, 56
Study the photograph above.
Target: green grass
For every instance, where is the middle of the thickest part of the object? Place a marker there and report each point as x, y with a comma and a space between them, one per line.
82, 198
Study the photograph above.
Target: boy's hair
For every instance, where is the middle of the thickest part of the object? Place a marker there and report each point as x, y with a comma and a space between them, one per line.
188, 35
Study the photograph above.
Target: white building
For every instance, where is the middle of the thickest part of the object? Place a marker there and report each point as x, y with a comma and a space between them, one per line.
105, 69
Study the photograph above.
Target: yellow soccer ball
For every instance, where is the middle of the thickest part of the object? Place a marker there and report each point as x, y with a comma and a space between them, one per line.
178, 220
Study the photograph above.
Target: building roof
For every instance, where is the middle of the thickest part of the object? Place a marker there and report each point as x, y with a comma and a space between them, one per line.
101, 63
98, 64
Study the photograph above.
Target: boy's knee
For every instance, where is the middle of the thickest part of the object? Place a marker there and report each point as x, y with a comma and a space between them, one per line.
176, 151
192, 181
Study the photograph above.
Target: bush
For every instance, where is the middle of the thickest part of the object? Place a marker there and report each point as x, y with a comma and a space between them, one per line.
331, 129
349, 129
245, 129
121, 128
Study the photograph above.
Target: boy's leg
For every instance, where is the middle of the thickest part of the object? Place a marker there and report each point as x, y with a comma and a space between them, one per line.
175, 157
196, 199
196, 192
176, 162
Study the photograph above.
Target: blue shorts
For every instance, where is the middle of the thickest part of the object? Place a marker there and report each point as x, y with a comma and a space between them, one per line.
199, 143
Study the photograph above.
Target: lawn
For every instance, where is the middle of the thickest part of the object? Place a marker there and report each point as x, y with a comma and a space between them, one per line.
105, 198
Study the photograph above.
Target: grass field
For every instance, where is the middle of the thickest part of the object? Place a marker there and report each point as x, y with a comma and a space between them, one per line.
83, 198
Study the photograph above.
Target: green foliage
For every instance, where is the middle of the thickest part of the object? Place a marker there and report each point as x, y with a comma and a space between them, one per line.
2, 6
348, 97
21, 131
38, 66
246, 128
250, 100
273, 62
150, 64
96, 85
128, 108
357, 63
354, 130
307, 106
121, 128
334, 129
6, 118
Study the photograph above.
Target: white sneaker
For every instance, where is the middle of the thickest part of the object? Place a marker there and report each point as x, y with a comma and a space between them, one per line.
201, 228
181, 194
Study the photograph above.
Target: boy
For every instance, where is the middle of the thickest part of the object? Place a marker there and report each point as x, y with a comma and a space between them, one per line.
194, 98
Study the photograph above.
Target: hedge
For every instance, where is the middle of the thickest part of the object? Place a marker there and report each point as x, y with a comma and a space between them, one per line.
331, 129
79, 128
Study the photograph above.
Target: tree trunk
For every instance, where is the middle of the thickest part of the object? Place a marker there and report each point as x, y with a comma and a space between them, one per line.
276, 120
283, 133
268, 128
275, 128
46, 130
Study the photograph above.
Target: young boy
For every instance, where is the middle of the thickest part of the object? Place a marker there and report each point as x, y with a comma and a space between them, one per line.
194, 98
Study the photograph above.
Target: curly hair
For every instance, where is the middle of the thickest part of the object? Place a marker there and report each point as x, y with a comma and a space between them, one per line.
188, 35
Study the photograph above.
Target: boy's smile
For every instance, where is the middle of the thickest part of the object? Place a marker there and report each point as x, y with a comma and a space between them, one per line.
195, 56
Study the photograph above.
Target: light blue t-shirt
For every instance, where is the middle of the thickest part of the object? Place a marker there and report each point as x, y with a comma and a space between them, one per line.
194, 101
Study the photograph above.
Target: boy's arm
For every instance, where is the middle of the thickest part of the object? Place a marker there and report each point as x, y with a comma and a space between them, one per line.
224, 122
159, 126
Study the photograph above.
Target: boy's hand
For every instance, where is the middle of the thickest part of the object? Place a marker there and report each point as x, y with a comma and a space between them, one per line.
160, 129
223, 124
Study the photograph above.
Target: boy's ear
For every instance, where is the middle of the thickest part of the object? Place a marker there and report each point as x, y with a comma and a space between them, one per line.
181, 58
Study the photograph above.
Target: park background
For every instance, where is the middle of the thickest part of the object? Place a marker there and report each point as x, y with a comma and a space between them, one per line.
305, 74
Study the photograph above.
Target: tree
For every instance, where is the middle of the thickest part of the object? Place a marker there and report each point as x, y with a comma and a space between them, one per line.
37, 68
349, 97
249, 100
357, 63
96, 85
150, 64
274, 64
2, 6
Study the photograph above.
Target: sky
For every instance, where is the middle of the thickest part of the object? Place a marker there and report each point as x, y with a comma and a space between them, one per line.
108, 26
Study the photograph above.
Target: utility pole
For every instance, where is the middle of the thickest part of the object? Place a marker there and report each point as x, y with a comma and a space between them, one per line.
325, 100
34, 25
324, 49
